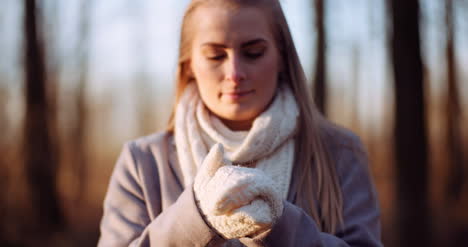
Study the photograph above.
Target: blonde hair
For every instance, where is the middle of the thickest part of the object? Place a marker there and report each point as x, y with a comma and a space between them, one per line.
314, 178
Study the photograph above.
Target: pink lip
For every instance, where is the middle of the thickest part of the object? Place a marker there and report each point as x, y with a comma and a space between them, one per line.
237, 95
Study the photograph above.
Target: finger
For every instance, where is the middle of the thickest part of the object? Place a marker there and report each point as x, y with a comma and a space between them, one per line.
229, 203
223, 206
234, 199
213, 160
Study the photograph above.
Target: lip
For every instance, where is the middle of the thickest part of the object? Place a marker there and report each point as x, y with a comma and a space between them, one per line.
237, 94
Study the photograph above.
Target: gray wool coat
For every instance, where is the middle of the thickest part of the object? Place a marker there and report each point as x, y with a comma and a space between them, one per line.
146, 205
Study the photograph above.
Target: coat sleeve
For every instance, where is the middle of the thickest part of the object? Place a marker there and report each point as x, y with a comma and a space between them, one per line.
360, 212
126, 220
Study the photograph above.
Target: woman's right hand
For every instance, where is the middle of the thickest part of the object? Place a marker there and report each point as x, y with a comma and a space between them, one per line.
236, 201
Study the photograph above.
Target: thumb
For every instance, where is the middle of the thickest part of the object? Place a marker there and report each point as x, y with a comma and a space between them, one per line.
213, 160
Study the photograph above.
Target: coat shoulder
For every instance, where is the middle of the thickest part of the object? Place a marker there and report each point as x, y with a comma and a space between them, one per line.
155, 140
148, 152
339, 138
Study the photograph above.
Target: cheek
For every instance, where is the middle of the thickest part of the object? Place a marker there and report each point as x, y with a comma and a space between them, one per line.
205, 77
267, 81
205, 72
208, 91
267, 73
268, 65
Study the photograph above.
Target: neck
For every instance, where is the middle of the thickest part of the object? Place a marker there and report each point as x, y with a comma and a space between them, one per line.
237, 125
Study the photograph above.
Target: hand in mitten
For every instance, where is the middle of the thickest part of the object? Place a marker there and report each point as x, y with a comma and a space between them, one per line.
236, 201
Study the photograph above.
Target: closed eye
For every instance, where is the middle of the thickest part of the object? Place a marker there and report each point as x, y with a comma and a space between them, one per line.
254, 55
255, 52
216, 57
213, 52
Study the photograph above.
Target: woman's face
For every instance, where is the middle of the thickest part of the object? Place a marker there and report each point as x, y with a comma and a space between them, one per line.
235, 63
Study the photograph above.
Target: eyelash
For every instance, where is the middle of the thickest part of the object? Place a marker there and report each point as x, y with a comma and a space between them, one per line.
251, 56
254, 55
216, 58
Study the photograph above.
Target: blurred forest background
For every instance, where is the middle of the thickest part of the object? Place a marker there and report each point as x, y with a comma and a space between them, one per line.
78, 78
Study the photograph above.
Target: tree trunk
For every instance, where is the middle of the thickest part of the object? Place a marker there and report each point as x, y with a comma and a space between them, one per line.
4, 169
455, 154
79, 128
143, 89
356, 68
320, 76
455, 158
39, 152
410, 126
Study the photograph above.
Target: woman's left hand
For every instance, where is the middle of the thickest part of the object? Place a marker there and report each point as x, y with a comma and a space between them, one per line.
244, 186
237, 201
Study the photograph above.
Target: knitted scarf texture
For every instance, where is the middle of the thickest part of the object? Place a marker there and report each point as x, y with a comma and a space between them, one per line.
268, 145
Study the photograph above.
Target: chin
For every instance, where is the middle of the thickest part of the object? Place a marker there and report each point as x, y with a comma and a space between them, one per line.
240, 116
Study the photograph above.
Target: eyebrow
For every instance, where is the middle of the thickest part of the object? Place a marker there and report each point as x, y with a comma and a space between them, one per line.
248, 43
252, 42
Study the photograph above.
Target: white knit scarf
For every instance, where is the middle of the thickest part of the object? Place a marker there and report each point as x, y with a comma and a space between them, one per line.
267, 146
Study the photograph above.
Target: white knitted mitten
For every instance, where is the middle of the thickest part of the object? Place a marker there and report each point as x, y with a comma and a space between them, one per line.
236, 201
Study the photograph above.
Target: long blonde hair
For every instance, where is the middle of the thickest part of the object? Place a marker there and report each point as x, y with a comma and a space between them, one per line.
315, 178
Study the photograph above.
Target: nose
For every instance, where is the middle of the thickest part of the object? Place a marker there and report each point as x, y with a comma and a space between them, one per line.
235, 71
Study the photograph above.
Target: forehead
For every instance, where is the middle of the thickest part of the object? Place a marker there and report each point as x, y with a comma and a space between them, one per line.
230, 27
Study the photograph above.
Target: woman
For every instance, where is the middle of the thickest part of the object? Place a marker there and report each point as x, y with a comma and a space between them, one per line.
247, 160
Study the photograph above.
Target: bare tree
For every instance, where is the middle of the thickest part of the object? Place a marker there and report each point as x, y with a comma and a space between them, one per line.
453, 111
356, 67
410, 125
3, 125
145, 104
78, 128
320, 76
39, 151
4, 178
